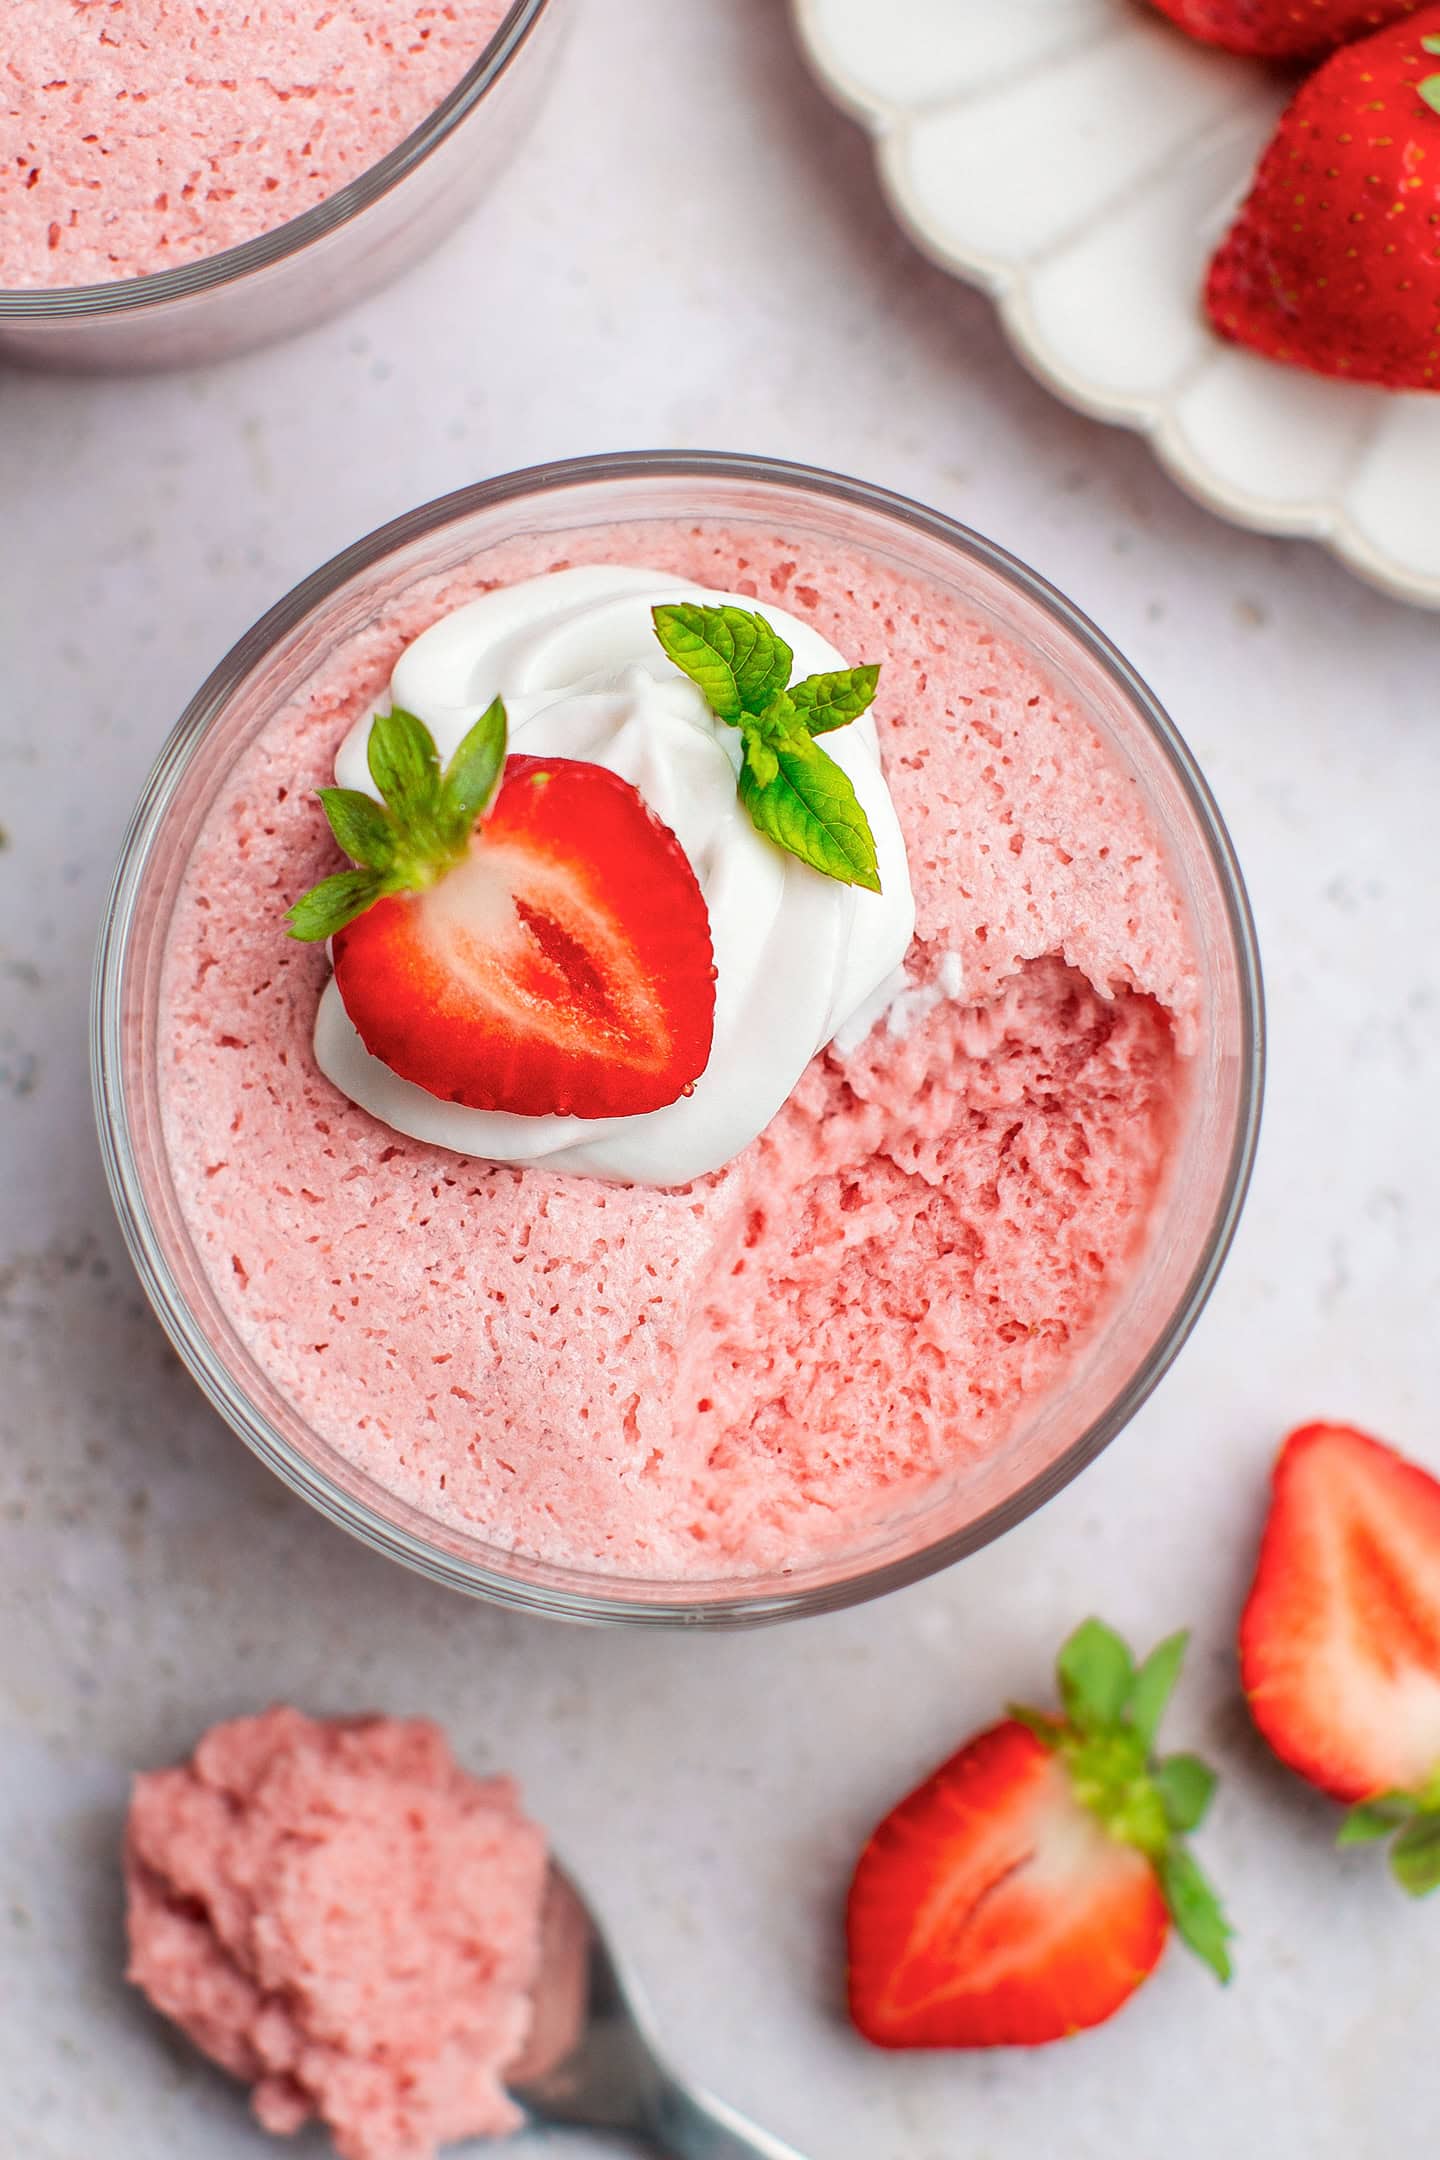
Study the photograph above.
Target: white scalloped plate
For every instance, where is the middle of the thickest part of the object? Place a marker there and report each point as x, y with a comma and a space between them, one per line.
1079, 161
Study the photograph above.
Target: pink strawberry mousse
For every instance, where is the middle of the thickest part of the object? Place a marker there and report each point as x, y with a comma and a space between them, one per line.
756, 1371
136, 135
338, 1915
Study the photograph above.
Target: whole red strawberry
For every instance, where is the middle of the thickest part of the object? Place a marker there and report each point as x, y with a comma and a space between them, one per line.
1334, 261
520, 935
1284, 29
1027, 1888
1340, 1639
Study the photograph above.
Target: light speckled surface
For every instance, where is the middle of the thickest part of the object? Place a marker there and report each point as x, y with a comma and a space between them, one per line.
153, 1577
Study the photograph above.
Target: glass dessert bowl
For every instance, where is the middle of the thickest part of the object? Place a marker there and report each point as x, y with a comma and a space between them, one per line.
387, 215
970, 1243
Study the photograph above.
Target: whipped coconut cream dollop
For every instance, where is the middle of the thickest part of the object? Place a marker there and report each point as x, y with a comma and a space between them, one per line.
799, 956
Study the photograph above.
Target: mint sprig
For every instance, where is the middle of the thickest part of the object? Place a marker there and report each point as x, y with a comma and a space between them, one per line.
1411, 1819
794, 791
419, 829
1106, 1740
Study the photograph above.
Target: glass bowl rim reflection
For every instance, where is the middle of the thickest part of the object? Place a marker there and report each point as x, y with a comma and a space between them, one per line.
714, 1601
122, 296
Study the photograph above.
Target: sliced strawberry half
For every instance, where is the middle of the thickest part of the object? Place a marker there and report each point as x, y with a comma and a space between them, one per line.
1331, 262
554, 957
1027, 1888
1340, 1637
992, 1910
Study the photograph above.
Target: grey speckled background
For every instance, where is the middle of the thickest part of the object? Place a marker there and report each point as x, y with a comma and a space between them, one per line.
691, 251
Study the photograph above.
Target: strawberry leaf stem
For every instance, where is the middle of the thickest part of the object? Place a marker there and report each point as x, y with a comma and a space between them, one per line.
1199, 1918
1154, 1685
1106, 1740
1412, 1820
1187, 1786
419, 829
333, 903
1096, 1672
1415, 1855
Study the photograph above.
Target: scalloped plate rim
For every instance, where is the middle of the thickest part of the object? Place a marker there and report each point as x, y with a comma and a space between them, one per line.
1324, 522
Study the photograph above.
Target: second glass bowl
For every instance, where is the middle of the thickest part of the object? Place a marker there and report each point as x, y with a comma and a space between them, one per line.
314, 265
1131, 1347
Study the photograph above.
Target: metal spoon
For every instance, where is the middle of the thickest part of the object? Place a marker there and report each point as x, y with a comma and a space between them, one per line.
591, 2062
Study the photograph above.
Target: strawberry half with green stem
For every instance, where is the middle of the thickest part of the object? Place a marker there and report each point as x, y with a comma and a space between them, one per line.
520, 935
1340, 1638
1027, 1888
1284, 29
1333, 263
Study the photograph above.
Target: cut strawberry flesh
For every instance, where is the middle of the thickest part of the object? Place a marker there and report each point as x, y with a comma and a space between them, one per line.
565, 966
1340, 1640
992, 1909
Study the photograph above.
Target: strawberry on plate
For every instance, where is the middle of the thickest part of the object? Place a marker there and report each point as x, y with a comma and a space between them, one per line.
520, 935
1284, 29
1334, 260
1027, 1888
1340, 1638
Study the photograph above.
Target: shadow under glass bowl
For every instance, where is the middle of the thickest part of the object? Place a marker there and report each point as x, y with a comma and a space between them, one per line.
313, 266
1136, 1339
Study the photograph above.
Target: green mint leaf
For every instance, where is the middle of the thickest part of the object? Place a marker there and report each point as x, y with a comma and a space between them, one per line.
807, 805
762, 661
1154, 1684
1195, 1909
701, 645
1096, 1673
1376, 1818
1430, 88
1186, 1786
1430, 44
404, 765
734, 657
831, 701
1415, 1856
363, 828
795, 794
473, 773
333, 903
1047, 1728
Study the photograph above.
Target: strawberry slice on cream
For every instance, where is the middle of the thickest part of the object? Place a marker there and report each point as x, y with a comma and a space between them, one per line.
522, 936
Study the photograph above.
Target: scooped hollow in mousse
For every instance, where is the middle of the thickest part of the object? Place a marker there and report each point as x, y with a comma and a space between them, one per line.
752, 1370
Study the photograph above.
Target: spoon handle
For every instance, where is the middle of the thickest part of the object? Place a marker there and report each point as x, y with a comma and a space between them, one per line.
689, 2125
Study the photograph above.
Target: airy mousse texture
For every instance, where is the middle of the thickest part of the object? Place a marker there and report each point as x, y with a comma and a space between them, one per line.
750, 1373
136, 135
340, 1916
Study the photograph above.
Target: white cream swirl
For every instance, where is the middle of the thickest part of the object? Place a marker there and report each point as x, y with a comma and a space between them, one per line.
797, 954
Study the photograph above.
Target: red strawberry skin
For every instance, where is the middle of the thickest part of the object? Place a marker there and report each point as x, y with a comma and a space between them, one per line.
1334, 260
1340, 1638
1284, 29
565, 966
990, 1909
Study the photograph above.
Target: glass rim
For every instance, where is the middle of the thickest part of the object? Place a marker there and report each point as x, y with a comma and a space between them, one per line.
123, 296
732, 1607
